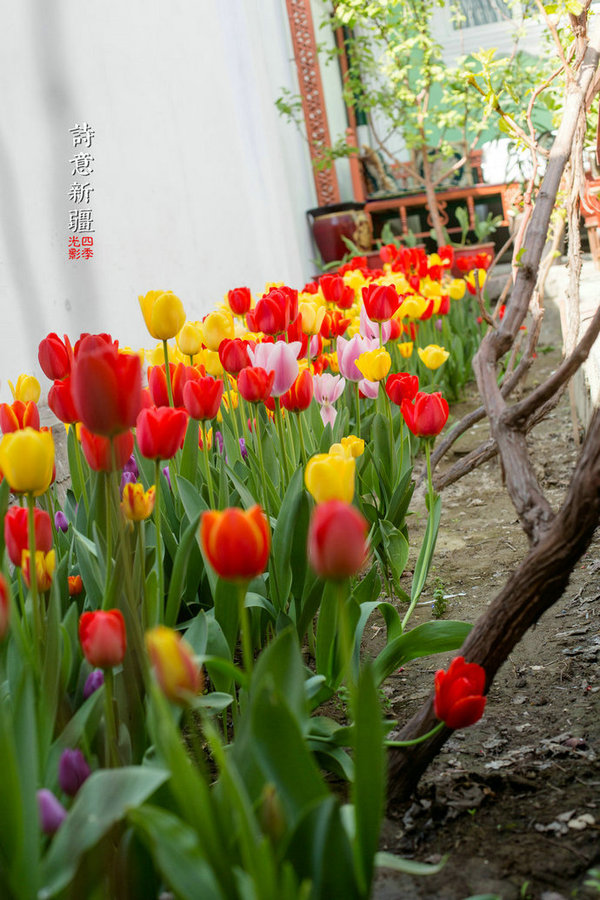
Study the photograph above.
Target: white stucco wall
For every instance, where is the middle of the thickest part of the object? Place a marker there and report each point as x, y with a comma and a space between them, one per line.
199, 186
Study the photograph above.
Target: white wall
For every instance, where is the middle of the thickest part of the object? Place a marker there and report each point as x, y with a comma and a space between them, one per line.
199, 186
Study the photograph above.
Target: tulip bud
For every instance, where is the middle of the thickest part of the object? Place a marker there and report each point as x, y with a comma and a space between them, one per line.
173, 661
27, 460
94, 681
45, 563
337, 540
330, 477
72, 771
61, 523
271, 815
27, 389
433, 356
459, 700
50, 811
75, 585
163, 314
137, 504
189, 339
102, 637
236, 542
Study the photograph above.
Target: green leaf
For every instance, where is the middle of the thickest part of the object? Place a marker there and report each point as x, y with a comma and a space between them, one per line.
227, 611
427, 549
385, 860
186, 543
89, 712
87, 559
424, 640
369, 776
193, 503
283, 536
189, 455
177, 852
102, 800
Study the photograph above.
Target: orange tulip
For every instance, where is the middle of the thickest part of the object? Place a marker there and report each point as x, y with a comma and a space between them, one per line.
236, 542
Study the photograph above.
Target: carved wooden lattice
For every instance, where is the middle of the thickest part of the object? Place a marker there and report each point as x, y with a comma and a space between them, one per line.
311, 90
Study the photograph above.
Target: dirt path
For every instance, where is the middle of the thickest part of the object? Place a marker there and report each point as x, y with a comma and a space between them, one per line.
514, 800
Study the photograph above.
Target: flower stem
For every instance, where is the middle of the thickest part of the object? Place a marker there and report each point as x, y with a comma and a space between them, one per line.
35, 600
168, 373
345, 636
236, 430
79, 465
247, 654
110, 732
357, 394
418, 740
279, 424
211, 494
108, 505
159, 560
301, 433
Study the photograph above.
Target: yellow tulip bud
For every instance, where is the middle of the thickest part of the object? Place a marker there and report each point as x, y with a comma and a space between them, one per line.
163, 314
481, 276
172, 658
433, 356
216, 327
189, 339
374, 364
27, 389
209, 435
350, 447
457, 288
137, 504
27, 460
312, 317
330, 477
45, 563
405, 349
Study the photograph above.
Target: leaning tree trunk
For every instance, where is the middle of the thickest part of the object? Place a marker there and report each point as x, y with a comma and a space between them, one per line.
558, 541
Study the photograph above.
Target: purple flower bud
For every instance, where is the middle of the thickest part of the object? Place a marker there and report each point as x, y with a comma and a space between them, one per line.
72, 771
94, 681
243, 448
131, 467
167, 475
219, 441
61, 523
438, 324
51, 812
126, 478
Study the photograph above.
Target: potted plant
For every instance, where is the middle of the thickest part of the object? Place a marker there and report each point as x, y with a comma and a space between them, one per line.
482, 229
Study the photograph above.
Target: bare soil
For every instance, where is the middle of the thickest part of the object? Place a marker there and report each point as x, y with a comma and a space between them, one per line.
514, 800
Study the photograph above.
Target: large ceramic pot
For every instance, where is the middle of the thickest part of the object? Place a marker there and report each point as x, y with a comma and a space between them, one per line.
471, 250
330, 223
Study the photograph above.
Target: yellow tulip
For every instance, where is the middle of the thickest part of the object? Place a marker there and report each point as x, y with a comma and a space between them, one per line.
216, 327
27, 389
330, 477
457, 288
189, 339
374, 364
163, 314
433, 356
137, 504
209, 435
405, 349
175, 667
413, 307
211, 363
333, 362
27, 460
45, 563
312, 317
351, 447
481, 276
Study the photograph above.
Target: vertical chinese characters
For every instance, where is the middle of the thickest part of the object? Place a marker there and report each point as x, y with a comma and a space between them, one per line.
81, 217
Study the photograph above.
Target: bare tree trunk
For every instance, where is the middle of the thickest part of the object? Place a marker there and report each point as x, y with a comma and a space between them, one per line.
434, 212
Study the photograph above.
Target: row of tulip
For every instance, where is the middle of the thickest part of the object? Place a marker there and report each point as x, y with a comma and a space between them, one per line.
222, 502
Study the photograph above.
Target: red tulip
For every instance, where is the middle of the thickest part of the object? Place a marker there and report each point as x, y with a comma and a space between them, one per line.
300, 394
16, 534
336, 291
240, 300
55, 356
427, 416
202, 398
274, 311
337, 540
60, 401
380, 301
236, 542
102, 637
459, 699
255, 384
18, 415
97, 450
234, 355
4, 607
107, 386
160, 432
180, 375
92, 341
75, 583
401, 386
333, 325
